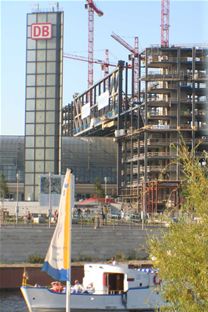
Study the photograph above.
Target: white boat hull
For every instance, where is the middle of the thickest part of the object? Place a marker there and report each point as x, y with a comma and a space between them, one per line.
40, 299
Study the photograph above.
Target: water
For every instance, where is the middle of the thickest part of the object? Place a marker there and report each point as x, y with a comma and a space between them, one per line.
12, 301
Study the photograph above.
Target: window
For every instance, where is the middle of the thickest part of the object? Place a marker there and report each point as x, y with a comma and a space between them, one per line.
41, 18
31, 68
29, 178
50, 104
30, 117
39, 141
30, 92
40, 92
51, 55
41, 68
50, 117
51, 67
41, 55
29, 166
39, 154
40, 129
29, 142
30, 56
29, 129
50, 129
50, 92
52, 18
39, 166
51, 80
49, 154
29, 154
40, 80
50, 141
31, 18
40, 117
30, 80
40, 104
31, 44
30, 104
41, 44
51, 44
49, 166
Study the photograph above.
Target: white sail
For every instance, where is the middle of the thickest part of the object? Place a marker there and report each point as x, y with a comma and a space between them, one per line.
58, 258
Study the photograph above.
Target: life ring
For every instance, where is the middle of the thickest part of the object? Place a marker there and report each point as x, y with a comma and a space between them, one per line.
156, 280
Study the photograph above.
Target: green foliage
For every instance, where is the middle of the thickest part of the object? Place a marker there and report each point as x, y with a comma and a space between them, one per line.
3, 186
98, 189
181, 254
35, 259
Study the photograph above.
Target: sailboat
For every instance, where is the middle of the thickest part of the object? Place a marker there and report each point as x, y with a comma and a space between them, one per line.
112, 288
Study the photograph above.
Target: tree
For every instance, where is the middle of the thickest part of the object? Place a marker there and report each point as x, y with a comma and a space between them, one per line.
181, 253
3, 187
98, 189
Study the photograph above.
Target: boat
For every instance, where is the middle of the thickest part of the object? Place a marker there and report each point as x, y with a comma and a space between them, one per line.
114, 287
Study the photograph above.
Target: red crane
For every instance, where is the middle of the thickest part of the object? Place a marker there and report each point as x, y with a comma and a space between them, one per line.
104, 64
165, 10
90, 5
135, 52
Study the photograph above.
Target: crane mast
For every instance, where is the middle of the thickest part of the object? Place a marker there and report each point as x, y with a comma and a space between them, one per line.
135, 60
90, 5
165, 10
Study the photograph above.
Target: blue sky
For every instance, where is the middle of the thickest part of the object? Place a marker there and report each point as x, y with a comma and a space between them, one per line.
188, 25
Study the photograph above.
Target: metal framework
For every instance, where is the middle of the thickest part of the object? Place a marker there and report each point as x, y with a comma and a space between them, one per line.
90, 5
173, 102
165, 10
135, 61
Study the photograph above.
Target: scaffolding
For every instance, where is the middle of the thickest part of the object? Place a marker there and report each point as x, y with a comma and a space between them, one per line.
173, 105
172, 102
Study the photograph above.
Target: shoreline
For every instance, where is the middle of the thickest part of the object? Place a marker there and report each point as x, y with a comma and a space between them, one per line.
11, 274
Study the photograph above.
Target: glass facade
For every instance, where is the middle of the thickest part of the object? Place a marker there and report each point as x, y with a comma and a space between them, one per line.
91, 159
43, 105
12, 158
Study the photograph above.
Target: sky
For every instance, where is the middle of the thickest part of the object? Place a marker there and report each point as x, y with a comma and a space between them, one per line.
188, 26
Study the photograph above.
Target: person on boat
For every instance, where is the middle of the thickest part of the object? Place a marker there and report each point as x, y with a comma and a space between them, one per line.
56, 286
90, 288
77, 288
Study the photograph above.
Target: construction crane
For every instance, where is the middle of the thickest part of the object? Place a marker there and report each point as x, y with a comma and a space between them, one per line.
135, 60
91, 7
165, 10
104, 64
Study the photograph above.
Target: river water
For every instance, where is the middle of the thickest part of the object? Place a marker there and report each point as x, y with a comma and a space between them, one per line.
12, 301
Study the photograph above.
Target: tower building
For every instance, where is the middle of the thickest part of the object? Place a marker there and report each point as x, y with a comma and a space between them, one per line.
44, 76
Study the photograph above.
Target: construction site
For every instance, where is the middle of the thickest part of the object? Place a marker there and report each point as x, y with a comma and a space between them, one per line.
148, 106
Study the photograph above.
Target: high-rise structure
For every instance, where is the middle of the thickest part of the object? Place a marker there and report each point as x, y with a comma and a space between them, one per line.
172, 104
44, 75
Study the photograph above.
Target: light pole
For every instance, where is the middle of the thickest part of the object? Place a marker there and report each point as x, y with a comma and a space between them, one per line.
49, 200
105, 180
17, 198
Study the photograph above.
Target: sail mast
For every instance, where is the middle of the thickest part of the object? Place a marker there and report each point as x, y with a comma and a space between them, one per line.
71, 205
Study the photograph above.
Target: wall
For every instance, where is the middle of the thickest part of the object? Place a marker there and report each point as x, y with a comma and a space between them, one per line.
20, 242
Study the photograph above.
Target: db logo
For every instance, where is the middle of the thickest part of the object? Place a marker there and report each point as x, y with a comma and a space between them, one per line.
41, 31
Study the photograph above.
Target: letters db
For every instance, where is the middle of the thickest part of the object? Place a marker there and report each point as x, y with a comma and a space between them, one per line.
41, 31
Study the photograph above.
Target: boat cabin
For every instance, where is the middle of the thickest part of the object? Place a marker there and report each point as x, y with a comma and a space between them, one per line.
114, 279
106, 278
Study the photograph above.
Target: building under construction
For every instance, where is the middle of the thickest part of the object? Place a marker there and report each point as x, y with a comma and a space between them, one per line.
171, 103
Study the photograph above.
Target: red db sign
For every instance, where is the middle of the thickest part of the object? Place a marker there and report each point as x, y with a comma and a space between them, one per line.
41, 31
